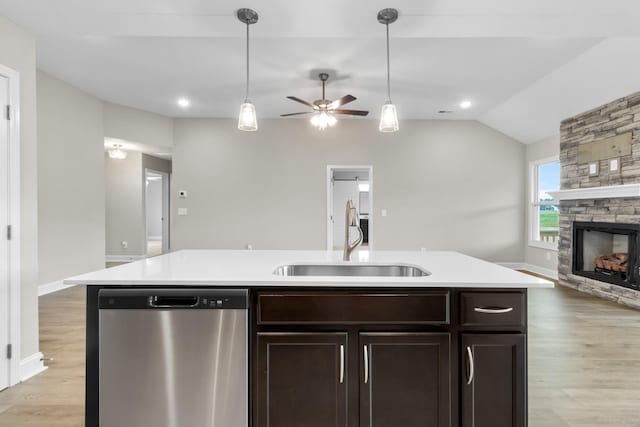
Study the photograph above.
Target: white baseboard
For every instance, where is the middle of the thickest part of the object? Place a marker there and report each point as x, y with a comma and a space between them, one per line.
552, 274
31, 366
49, 288
124, 258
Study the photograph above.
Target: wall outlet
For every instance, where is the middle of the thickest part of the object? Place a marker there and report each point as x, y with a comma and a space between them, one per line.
124, 244
594, 169
249, 246
182, 212
182, 194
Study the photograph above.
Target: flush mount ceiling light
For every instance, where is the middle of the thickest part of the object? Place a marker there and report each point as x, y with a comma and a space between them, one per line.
117, 152
184, 102
389, 116
247, 120
466, 104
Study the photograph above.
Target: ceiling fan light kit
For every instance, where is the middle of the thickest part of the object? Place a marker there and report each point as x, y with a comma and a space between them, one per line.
247, 119
389, 114
325, 110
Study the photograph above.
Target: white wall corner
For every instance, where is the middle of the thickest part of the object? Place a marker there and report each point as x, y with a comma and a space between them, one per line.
32, 366
552, 274
49, 288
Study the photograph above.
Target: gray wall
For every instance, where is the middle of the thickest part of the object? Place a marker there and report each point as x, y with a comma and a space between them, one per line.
71, 210
544, 149
18, 51
125, 205
445, 184
137, 125
125, 197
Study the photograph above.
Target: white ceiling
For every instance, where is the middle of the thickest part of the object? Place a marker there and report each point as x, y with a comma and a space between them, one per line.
521, 63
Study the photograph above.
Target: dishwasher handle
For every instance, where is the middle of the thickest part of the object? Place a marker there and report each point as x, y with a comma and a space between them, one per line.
140, 298
168, 301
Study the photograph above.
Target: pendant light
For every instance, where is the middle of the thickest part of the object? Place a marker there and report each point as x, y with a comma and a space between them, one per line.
389, 116
247, 120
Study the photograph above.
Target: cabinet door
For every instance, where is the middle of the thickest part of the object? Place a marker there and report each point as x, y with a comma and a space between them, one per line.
494, 380
404, 379
301, 380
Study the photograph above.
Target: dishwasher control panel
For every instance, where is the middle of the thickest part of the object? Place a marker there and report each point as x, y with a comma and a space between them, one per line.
220, 299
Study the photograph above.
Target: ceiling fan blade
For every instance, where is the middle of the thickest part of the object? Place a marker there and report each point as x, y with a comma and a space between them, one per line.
302, 101
339, 102
295, 114
351, 112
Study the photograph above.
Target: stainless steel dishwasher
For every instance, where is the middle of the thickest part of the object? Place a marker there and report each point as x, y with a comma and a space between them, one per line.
173, 358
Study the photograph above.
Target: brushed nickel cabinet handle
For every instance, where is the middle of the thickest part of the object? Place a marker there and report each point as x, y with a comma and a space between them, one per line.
493, 310
366, 364
341, 364
471, 365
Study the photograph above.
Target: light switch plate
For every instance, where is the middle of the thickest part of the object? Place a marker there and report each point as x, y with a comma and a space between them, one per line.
614, 165
594, 168
182, 211
383, 212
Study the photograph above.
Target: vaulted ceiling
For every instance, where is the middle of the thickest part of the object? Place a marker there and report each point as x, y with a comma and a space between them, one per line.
525, 65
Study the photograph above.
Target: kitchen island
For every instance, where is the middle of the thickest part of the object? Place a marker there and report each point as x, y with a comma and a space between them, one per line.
437, 340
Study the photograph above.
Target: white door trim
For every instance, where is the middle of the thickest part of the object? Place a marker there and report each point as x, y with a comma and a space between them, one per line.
329, 225
14, 220
166, 211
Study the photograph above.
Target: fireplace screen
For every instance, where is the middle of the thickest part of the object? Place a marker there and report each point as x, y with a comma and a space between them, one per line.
606, 252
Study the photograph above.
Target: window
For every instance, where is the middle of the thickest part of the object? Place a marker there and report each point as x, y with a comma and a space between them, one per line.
544, 215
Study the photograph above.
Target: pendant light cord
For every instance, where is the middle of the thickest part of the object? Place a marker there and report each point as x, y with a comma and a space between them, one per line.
246, 97
388, 67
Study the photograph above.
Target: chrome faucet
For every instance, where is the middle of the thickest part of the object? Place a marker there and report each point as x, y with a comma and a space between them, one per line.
351, 220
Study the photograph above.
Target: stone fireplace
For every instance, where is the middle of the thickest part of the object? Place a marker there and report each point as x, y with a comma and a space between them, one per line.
600, 201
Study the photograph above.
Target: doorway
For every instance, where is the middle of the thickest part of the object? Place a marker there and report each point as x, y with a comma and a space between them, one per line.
156, 212
349, 183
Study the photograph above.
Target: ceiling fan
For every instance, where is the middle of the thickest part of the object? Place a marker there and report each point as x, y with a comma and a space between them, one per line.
324, 110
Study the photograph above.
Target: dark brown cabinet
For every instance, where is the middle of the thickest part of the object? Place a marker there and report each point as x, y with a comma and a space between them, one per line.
404, 379
301, 380
389, 358
493, 380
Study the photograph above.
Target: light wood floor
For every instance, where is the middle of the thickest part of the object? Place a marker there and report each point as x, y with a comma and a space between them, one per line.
584, 364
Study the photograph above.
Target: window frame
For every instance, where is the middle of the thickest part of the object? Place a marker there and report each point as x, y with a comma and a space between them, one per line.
533, 205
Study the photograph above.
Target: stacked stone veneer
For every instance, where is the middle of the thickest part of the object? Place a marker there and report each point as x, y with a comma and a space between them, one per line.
615, 118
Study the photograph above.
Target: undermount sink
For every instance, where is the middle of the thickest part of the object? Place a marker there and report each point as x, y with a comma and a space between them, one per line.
363, 270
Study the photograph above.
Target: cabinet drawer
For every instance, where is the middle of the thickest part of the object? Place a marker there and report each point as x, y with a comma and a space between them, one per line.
359, 308
493, 309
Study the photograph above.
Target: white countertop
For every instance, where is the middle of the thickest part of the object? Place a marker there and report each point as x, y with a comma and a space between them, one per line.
255, 268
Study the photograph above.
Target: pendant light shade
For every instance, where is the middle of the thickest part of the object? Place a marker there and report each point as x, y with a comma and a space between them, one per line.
247, 120
389, 116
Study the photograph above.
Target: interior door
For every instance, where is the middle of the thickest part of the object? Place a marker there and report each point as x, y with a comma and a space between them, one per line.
405, 379
4, 243
301, 380
494, 374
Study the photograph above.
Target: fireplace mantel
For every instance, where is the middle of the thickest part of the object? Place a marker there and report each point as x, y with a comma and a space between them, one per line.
607, 192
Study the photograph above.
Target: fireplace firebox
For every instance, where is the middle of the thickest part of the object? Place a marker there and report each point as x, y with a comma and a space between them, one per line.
607, 252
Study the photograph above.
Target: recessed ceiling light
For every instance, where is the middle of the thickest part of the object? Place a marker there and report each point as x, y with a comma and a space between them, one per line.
465, 104
183, 102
